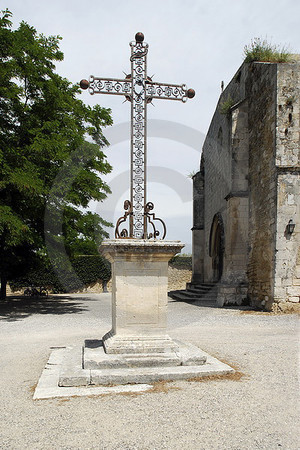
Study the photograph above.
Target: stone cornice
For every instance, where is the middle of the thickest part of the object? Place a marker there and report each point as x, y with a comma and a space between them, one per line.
142, 249
288, 169
236, 194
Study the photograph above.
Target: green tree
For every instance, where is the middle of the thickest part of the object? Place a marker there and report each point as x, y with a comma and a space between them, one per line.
43, 126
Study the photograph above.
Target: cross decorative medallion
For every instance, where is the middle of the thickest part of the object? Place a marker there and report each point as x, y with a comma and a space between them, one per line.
139, 89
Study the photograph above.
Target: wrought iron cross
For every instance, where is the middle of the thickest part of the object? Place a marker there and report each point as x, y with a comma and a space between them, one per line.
139, 89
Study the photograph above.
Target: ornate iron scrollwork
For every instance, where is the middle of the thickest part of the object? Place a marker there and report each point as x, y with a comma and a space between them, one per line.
139, 89
150, 218
124, 233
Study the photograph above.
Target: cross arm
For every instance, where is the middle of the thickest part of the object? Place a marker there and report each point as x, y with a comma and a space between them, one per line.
116, 86
168, 91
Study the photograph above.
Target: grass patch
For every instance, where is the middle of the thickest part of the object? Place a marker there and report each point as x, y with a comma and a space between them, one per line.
226, 105
235, 376
163, 386
263, 51
64, 400
32, 388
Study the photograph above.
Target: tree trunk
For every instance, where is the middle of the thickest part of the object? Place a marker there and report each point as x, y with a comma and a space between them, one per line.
3, 287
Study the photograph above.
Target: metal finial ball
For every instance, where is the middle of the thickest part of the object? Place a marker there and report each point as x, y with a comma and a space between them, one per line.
190, 93
139, 37
84, 84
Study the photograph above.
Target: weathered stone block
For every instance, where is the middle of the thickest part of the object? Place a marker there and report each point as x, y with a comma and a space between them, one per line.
294, 299
293, 291
139, 295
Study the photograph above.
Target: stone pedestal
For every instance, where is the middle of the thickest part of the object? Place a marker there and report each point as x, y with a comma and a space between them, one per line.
137, 349
139, 295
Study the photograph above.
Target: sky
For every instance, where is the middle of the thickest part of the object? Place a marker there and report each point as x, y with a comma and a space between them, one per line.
195, 42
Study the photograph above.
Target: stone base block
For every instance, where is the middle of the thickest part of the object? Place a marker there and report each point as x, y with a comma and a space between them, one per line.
95, 357
154, 374
231, 294
100, 369
48, 384
72, 367
119, 344
56, 382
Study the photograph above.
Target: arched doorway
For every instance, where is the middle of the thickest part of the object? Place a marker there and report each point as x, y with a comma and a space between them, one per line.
216, 246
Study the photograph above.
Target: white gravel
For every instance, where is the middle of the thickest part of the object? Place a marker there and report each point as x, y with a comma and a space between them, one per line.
260, 411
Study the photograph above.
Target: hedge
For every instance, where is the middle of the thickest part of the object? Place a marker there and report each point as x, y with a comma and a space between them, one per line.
91, 268
87, 269
181, 262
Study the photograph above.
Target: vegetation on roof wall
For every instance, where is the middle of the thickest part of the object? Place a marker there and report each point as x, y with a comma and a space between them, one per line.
263, 51
226, 105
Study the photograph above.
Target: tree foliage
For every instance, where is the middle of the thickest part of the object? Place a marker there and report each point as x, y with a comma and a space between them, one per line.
89, 269
43, 127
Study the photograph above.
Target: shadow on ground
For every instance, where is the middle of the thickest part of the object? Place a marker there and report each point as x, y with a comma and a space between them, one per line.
16, 308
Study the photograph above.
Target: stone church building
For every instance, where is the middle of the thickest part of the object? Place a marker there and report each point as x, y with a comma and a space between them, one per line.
246, 230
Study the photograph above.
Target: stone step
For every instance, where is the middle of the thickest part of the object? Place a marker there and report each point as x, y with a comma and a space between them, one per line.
198, 290
95, 357
179, 295
201, 285
184, 296
66, 371
194, 294
204, 293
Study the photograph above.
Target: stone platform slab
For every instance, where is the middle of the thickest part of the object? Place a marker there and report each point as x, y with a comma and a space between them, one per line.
95, 357
63, 376
103, 369
48, 387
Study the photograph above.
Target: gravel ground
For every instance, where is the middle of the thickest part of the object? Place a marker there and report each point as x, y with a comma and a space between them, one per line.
258, 411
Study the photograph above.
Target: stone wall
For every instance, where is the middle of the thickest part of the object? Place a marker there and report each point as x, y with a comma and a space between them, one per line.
225, 160
236, 238
287, 259
218, 175
273, 96
178, 278
249, 180
261, 88
198, 226
287, 262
